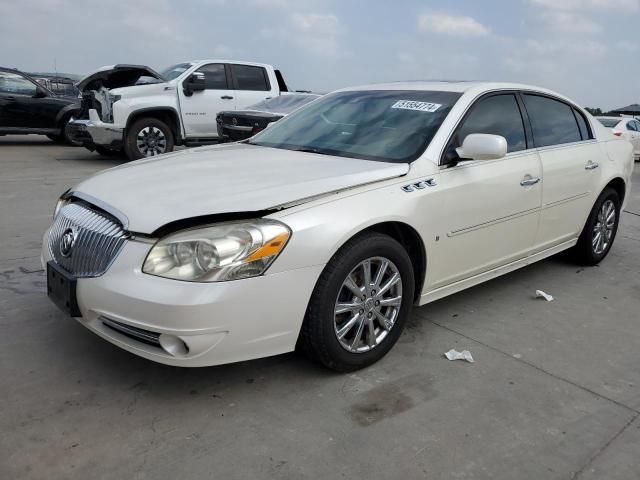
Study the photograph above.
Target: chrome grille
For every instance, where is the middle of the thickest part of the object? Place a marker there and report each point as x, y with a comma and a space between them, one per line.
85, 241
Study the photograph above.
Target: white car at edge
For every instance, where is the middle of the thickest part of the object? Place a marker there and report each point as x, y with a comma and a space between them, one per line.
323, 230
625, 127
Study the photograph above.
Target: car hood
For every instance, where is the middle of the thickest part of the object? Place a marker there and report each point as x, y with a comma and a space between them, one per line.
116, 76
238, 178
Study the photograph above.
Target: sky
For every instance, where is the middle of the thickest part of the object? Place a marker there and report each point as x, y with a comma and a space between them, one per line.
588, 50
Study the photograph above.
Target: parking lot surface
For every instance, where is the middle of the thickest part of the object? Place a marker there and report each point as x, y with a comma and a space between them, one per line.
554, 392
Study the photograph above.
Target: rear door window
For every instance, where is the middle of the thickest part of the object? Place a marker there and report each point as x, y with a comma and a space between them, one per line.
631, 126
248, 77
496, 115
552, 121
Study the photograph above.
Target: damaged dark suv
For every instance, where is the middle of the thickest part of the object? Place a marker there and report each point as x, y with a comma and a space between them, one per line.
27, 107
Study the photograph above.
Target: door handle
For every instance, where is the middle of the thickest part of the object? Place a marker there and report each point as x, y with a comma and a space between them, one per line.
529, 181
591, 165
226, 97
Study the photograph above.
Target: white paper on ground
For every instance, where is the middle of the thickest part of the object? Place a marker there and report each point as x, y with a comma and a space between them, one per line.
456, 355
546, 296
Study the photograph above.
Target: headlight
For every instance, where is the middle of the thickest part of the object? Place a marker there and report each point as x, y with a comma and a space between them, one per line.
227, 251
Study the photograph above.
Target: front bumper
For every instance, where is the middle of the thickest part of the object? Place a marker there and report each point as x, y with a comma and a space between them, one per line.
197, 324
94, 132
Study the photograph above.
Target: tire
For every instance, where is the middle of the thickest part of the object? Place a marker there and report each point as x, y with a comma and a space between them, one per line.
106, 152
156, 135
66, 135
319, 336
589, 250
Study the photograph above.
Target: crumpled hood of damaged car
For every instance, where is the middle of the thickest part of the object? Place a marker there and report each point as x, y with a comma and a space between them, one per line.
222, 179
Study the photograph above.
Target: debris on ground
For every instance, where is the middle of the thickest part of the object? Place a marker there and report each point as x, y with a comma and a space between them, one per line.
456, 355
546, 296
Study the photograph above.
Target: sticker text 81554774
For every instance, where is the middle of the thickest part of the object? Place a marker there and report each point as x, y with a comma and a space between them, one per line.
413, 105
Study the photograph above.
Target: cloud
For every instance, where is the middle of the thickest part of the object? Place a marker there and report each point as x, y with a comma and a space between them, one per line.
536, 59
158, 19
454, 25
316, 33
272, 3
628, 46
612, 5
568, 22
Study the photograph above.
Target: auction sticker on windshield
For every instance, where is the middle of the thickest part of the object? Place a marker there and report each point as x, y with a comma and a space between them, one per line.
413, 105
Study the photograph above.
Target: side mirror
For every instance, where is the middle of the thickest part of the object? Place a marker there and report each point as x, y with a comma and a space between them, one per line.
195, 83
40, 93
482, 146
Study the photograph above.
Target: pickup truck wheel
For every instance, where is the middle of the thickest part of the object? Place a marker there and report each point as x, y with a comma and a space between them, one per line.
599, 232
360, 304
148, 137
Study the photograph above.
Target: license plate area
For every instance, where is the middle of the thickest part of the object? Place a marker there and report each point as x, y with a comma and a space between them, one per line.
61, 289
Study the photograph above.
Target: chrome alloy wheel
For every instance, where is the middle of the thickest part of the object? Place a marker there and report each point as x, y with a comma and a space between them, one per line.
151, 141
603, 229
368, 304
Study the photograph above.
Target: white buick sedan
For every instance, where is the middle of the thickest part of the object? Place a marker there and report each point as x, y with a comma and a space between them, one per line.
322, 231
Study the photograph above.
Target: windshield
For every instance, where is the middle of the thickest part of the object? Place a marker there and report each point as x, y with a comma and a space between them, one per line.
609, 122
175, 71
283, 104
383, 125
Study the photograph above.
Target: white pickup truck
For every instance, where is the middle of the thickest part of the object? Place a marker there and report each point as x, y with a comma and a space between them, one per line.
138, 111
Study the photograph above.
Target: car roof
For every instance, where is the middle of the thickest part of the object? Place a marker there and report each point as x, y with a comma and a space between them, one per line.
221, 60
458, 86
9, 69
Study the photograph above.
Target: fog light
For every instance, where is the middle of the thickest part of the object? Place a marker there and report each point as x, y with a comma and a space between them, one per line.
173, 345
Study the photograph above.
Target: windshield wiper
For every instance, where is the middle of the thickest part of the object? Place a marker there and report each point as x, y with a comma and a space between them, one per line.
310, 150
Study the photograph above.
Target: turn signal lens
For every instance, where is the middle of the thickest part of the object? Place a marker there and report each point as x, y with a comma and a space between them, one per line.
219, 253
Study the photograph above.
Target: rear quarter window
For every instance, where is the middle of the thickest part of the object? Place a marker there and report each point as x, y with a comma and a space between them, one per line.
585, 131
553, 122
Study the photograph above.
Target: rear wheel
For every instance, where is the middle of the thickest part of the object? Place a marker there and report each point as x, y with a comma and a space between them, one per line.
148, 137
360, 304
600, 230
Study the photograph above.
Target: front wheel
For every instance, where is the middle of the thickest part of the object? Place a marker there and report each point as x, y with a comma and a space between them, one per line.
600, 230
360, 304
68, 137
148, 137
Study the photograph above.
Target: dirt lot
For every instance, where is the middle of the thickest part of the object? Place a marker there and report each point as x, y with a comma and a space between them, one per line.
554, 392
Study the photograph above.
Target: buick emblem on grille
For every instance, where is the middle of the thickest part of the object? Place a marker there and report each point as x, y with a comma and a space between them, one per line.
66, 242
234, 121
